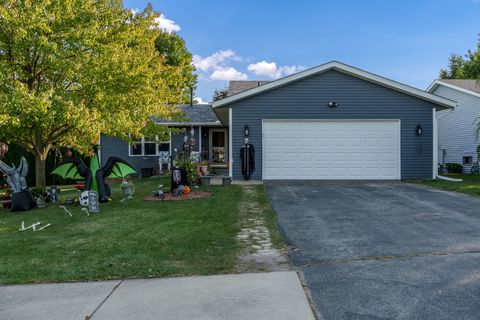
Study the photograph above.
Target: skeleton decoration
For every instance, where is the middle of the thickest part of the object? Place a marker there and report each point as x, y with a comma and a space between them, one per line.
22, 199
127, 190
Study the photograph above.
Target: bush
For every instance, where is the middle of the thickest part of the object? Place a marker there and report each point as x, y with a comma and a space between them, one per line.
189, 166
454, 167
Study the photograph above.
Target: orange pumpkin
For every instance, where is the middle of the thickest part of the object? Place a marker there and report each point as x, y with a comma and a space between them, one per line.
186, 190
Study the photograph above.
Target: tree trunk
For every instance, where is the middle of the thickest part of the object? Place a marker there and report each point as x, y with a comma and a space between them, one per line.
40, 179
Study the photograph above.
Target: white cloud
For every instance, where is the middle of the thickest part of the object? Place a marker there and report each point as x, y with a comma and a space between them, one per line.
228, 74
167, 24
199, 100
270, 69
216, 61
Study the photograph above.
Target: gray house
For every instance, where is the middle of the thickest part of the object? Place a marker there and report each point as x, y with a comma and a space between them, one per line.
333, 121
457, 129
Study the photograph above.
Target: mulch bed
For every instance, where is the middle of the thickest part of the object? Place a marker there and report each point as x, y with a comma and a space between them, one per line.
190, 196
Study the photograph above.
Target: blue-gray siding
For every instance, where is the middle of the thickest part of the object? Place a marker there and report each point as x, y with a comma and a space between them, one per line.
119, 148
457, 130
357, 99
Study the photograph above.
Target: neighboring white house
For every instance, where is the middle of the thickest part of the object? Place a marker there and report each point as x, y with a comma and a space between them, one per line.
457, 129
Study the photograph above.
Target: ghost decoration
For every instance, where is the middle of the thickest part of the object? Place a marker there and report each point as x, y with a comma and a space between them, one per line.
22, 198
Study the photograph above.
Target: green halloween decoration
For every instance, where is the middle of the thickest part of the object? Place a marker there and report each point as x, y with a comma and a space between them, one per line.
95, 175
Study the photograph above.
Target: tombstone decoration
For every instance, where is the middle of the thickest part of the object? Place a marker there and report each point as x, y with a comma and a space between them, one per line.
127, 190
22, 198
93, 205
52, 194
247, 156
95, 175
179, 178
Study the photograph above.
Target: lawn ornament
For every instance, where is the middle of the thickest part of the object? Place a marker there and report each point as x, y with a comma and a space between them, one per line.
64, 208
95, 175
83, 199
186, 190
22, 198
159, 192
52, 194
127, 190
247, 157
179, 177
34, 226
179, 191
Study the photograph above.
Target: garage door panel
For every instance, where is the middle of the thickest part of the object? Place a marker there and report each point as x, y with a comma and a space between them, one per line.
331, 150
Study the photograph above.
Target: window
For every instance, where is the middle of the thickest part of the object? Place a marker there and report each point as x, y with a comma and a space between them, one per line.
467, 161
146, 147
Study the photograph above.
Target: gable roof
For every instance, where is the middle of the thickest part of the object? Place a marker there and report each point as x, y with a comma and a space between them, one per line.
197, 114
237, 86
341, 67
469, 86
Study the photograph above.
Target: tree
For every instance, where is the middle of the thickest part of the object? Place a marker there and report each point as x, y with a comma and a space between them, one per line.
467, 67
179, 70
72, 69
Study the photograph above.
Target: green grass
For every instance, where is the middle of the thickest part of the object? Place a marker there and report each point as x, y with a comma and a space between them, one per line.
136, 238
470, 184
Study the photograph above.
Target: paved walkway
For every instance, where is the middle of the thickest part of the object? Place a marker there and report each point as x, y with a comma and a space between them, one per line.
275, 295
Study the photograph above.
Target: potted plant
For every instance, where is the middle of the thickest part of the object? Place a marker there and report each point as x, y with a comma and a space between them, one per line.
203, 165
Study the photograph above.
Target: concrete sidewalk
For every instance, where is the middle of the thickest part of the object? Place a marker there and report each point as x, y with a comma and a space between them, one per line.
275, 295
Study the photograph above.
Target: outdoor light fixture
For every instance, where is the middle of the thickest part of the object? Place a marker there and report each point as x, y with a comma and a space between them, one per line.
333, 104
419, 130
246, 131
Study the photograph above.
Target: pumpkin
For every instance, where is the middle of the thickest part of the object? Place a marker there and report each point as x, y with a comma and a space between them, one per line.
186, 190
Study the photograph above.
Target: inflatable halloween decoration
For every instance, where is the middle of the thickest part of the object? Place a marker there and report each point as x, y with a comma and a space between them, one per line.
22, 198
95, 175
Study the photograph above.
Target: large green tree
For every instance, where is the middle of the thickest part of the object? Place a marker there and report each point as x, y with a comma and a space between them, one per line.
72, 69
179, 70
463, 67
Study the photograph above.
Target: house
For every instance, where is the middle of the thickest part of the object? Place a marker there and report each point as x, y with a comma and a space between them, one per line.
333, 121
457, 129
209, 133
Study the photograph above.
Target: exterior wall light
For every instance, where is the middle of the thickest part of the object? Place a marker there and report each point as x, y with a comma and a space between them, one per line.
419, 130
333, 104
246, 131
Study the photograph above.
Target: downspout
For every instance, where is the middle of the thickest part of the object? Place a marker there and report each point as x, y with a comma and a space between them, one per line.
439, 176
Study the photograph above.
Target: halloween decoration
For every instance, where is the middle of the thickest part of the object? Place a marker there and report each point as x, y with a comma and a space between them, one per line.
3, 149
186, 190
159, 192
127, 190
52, 194
247, 156
83, 199
34, 226
22, 198
95, 175
179, 177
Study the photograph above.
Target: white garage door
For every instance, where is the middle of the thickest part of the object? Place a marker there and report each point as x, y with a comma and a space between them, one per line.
331, 150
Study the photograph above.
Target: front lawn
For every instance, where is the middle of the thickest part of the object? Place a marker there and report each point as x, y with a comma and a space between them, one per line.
136, 238
470, 184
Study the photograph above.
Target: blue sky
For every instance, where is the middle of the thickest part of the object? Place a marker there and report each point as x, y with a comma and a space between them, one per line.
408, 41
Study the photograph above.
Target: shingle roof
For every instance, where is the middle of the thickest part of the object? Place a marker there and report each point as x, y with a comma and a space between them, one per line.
472, 85
237, 86
198, 113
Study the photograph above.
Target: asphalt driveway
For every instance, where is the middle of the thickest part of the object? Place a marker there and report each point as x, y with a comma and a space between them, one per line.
382, 250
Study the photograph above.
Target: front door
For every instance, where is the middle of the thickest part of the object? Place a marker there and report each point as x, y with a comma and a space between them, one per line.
218, 146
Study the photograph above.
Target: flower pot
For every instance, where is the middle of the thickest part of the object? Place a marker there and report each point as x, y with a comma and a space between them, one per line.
204, 169
226, 181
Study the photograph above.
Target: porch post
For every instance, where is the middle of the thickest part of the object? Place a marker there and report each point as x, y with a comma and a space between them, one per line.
230, 143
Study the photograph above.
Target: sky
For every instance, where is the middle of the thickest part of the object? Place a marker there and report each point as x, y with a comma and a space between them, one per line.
408, 41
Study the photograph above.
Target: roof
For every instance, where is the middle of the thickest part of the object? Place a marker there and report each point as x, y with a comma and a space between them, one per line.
470, 86
197, 114
341, 67
237, 86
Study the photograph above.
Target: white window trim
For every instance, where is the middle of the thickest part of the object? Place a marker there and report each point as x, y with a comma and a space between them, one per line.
143, 141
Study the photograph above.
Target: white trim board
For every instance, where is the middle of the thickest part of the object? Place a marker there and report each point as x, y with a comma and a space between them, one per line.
341, 67
435, 84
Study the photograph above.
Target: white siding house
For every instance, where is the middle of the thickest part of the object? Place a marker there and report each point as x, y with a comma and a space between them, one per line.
457, 129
